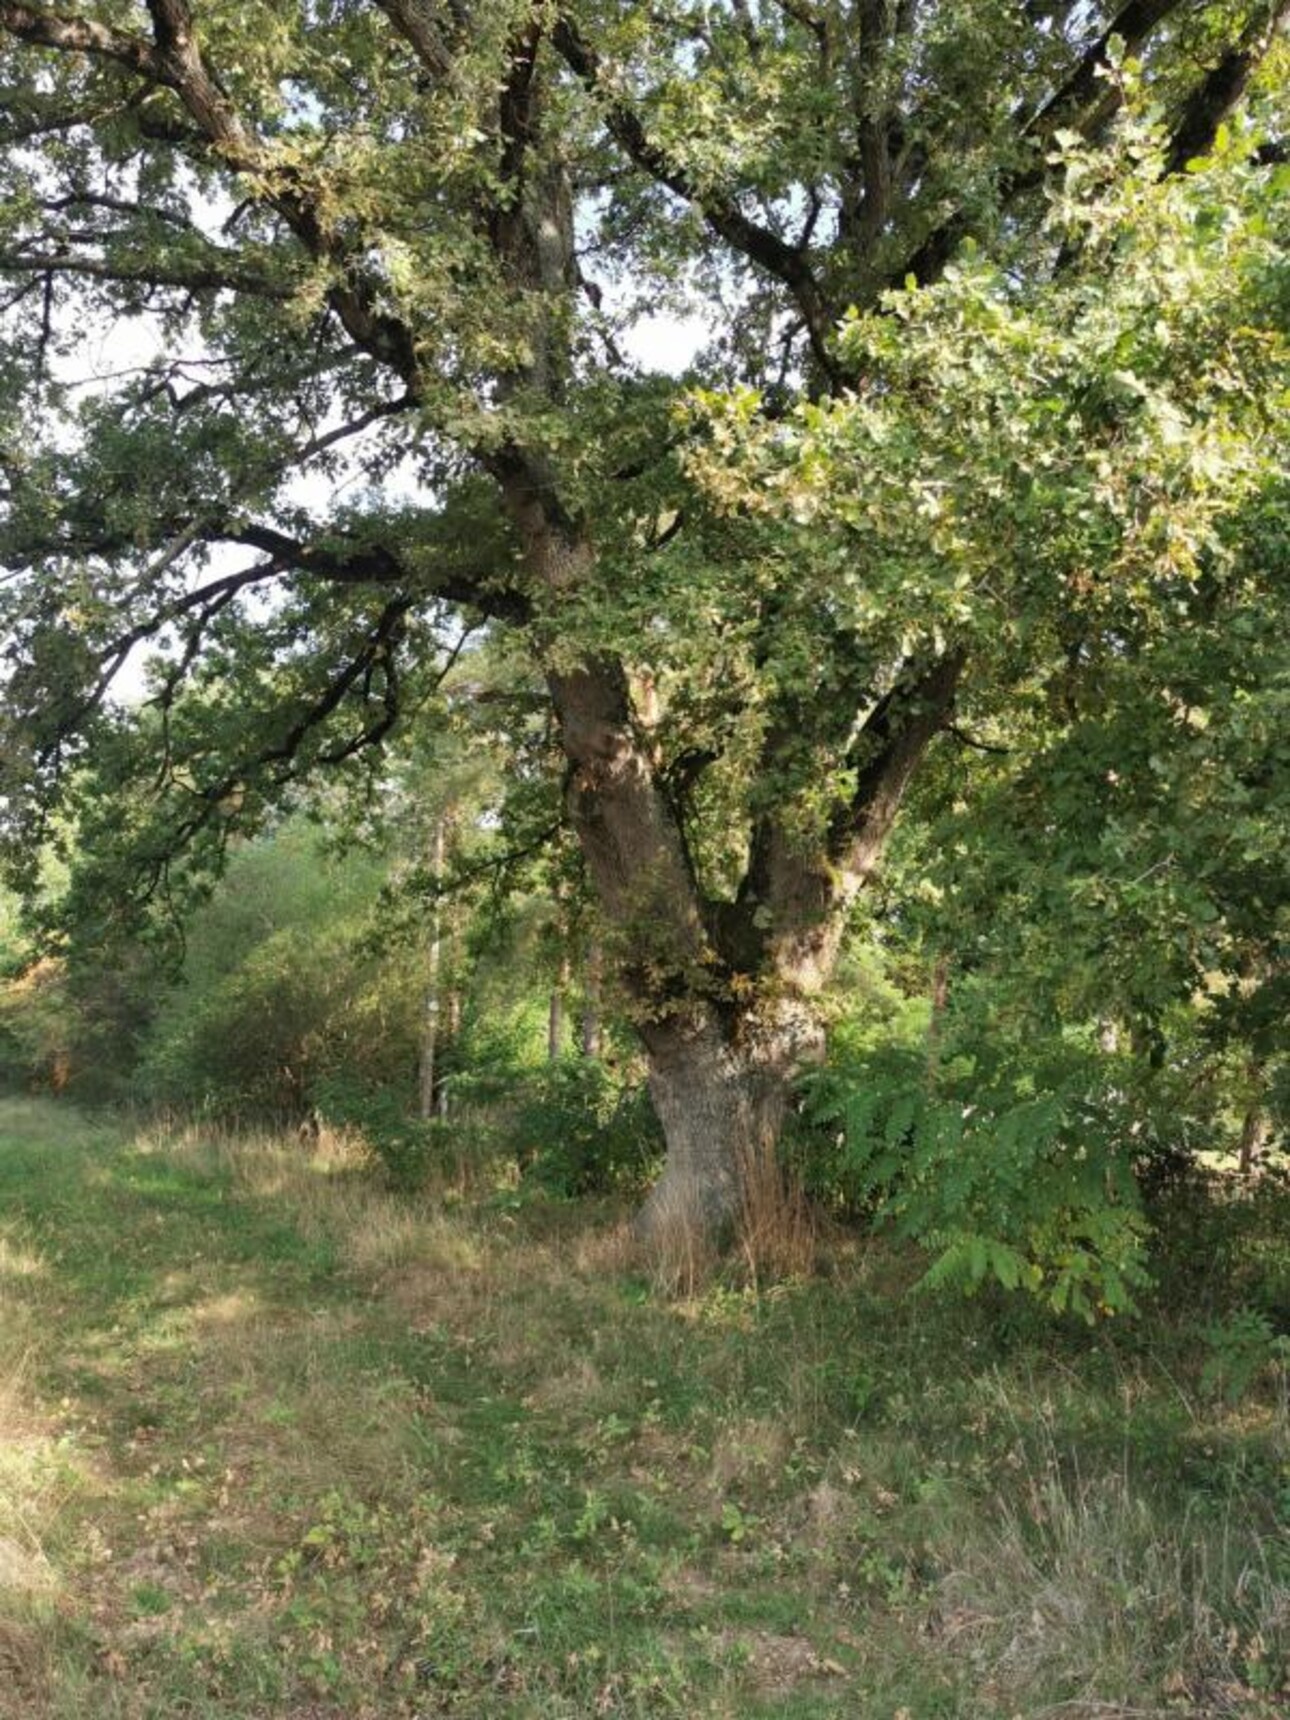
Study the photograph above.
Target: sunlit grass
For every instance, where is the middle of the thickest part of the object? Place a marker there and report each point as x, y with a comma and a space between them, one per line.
274, 1441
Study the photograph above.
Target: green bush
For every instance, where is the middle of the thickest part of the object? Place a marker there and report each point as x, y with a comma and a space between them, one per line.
405, 1145
581, 1129
280, 990
1014, 1165
76, 1029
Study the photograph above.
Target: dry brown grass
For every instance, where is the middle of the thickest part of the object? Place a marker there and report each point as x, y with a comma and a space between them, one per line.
23, 1670
33, 1484
776, 1234
1082, 1582
679, 1253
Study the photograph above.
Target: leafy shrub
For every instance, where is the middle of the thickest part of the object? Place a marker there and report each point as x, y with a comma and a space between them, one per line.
404, 1144
76, 1029
36, 1028
279, 990
581, 1129
1009, 1166
1241, 1348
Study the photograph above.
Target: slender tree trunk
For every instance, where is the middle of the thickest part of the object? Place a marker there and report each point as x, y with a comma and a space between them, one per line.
451, 1024
589, 1026
936, 1020
555, 1014
434, 958
1256, 1128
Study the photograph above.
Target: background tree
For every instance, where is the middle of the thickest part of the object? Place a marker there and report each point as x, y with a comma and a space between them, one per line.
401, 245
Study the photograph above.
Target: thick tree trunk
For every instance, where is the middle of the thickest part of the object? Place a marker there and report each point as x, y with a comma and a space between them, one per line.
721, 1110
723, 994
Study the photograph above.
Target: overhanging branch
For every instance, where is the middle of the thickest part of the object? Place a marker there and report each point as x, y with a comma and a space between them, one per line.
72, 35
1083, 102
1218, 92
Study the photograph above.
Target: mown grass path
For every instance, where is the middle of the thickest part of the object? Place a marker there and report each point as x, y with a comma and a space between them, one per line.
275, 1443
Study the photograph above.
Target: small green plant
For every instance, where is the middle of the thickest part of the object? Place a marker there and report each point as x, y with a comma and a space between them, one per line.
737, 1524
149, 1600
1243, 1348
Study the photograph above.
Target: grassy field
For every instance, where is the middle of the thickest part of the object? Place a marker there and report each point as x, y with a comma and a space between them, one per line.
273, 1442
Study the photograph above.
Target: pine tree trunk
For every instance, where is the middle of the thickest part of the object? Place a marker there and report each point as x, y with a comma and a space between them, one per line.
589, 1024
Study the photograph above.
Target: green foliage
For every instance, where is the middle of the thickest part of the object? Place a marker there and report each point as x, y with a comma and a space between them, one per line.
580, 1128
1013, 1165
1036, 497
404, 1145
1243, 1347
76, 1026
279, 989
1036, 462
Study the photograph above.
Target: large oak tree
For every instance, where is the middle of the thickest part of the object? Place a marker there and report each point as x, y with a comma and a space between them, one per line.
390, 252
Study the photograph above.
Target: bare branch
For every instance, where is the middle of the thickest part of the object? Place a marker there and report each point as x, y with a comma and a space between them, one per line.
118, 206
966, 740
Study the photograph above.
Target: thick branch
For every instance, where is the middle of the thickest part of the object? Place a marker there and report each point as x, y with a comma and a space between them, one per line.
892, 741
73, 35
1085, 90
416, 23
228, 275
376, 564
1219, 91
791, 906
